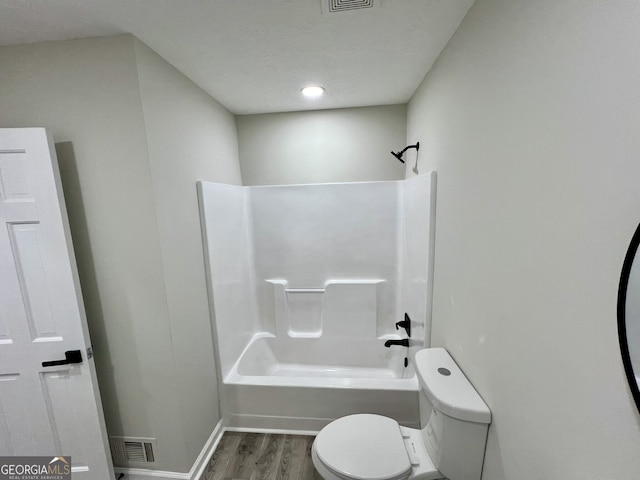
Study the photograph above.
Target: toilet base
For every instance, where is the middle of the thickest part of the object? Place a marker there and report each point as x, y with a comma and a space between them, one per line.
425, 470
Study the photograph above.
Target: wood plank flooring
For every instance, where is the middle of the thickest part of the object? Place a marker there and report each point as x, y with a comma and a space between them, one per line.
262, 456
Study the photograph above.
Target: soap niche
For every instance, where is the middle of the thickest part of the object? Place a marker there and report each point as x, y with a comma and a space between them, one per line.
304, 310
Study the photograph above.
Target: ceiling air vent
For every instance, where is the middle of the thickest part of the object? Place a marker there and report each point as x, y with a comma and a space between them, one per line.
130, 451
333, 6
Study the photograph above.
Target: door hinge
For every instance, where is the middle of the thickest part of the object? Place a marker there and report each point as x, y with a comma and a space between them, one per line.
90, 352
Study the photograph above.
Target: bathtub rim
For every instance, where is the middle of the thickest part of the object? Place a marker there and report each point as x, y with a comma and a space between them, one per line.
410, 383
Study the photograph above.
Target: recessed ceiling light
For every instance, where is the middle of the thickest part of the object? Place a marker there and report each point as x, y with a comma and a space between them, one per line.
313, 91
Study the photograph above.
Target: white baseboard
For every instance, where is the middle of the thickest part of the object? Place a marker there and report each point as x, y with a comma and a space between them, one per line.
201, 463
198, 468
277, 431
146, 474
275, 424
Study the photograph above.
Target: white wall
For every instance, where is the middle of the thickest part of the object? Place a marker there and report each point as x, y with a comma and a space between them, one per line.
346, 145
101, 99
530, 117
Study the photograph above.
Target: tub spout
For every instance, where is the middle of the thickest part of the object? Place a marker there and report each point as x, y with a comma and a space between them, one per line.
403, 343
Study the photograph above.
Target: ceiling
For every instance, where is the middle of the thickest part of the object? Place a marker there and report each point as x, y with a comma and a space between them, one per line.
254, 56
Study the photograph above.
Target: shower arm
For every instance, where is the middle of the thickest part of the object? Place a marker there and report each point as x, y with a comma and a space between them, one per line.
399, 154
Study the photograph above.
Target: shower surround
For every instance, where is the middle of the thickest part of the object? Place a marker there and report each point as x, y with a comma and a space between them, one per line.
306, 283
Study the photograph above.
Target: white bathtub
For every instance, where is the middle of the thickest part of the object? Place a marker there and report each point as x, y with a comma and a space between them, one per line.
304, 383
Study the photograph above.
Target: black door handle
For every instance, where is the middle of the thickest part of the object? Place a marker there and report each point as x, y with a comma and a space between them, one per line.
70, 356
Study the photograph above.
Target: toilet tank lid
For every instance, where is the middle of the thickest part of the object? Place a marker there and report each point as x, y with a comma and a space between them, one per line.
447, 388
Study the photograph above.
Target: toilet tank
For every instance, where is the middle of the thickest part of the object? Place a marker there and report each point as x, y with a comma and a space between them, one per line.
455, 434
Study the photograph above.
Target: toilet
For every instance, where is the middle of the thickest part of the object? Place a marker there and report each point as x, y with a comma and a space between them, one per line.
450, 445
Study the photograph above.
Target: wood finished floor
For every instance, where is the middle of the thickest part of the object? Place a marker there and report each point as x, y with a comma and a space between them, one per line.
262, 456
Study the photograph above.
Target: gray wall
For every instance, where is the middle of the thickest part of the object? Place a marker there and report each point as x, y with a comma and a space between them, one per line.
190, 137
119, 116
323, 146
530, 116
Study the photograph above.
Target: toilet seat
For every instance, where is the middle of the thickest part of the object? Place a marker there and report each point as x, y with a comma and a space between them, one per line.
363, 447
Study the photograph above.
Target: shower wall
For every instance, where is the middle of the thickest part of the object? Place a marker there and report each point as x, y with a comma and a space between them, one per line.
322, 261
417, 231
326, 258
230, 269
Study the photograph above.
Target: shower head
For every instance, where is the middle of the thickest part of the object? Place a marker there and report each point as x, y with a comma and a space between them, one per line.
399, 154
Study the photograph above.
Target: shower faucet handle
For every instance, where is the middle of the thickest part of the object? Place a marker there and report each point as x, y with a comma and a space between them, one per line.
406, 324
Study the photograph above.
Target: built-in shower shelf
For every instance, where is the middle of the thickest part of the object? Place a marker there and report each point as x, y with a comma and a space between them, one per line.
307, 334
337, 307
304, 290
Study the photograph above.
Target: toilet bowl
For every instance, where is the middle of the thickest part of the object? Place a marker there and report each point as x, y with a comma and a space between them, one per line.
451, 444
371, 447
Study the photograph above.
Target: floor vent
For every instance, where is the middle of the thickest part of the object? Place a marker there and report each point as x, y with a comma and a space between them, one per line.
130, 451
333, 6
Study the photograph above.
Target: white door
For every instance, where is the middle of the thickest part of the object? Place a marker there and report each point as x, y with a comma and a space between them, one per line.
44, 410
